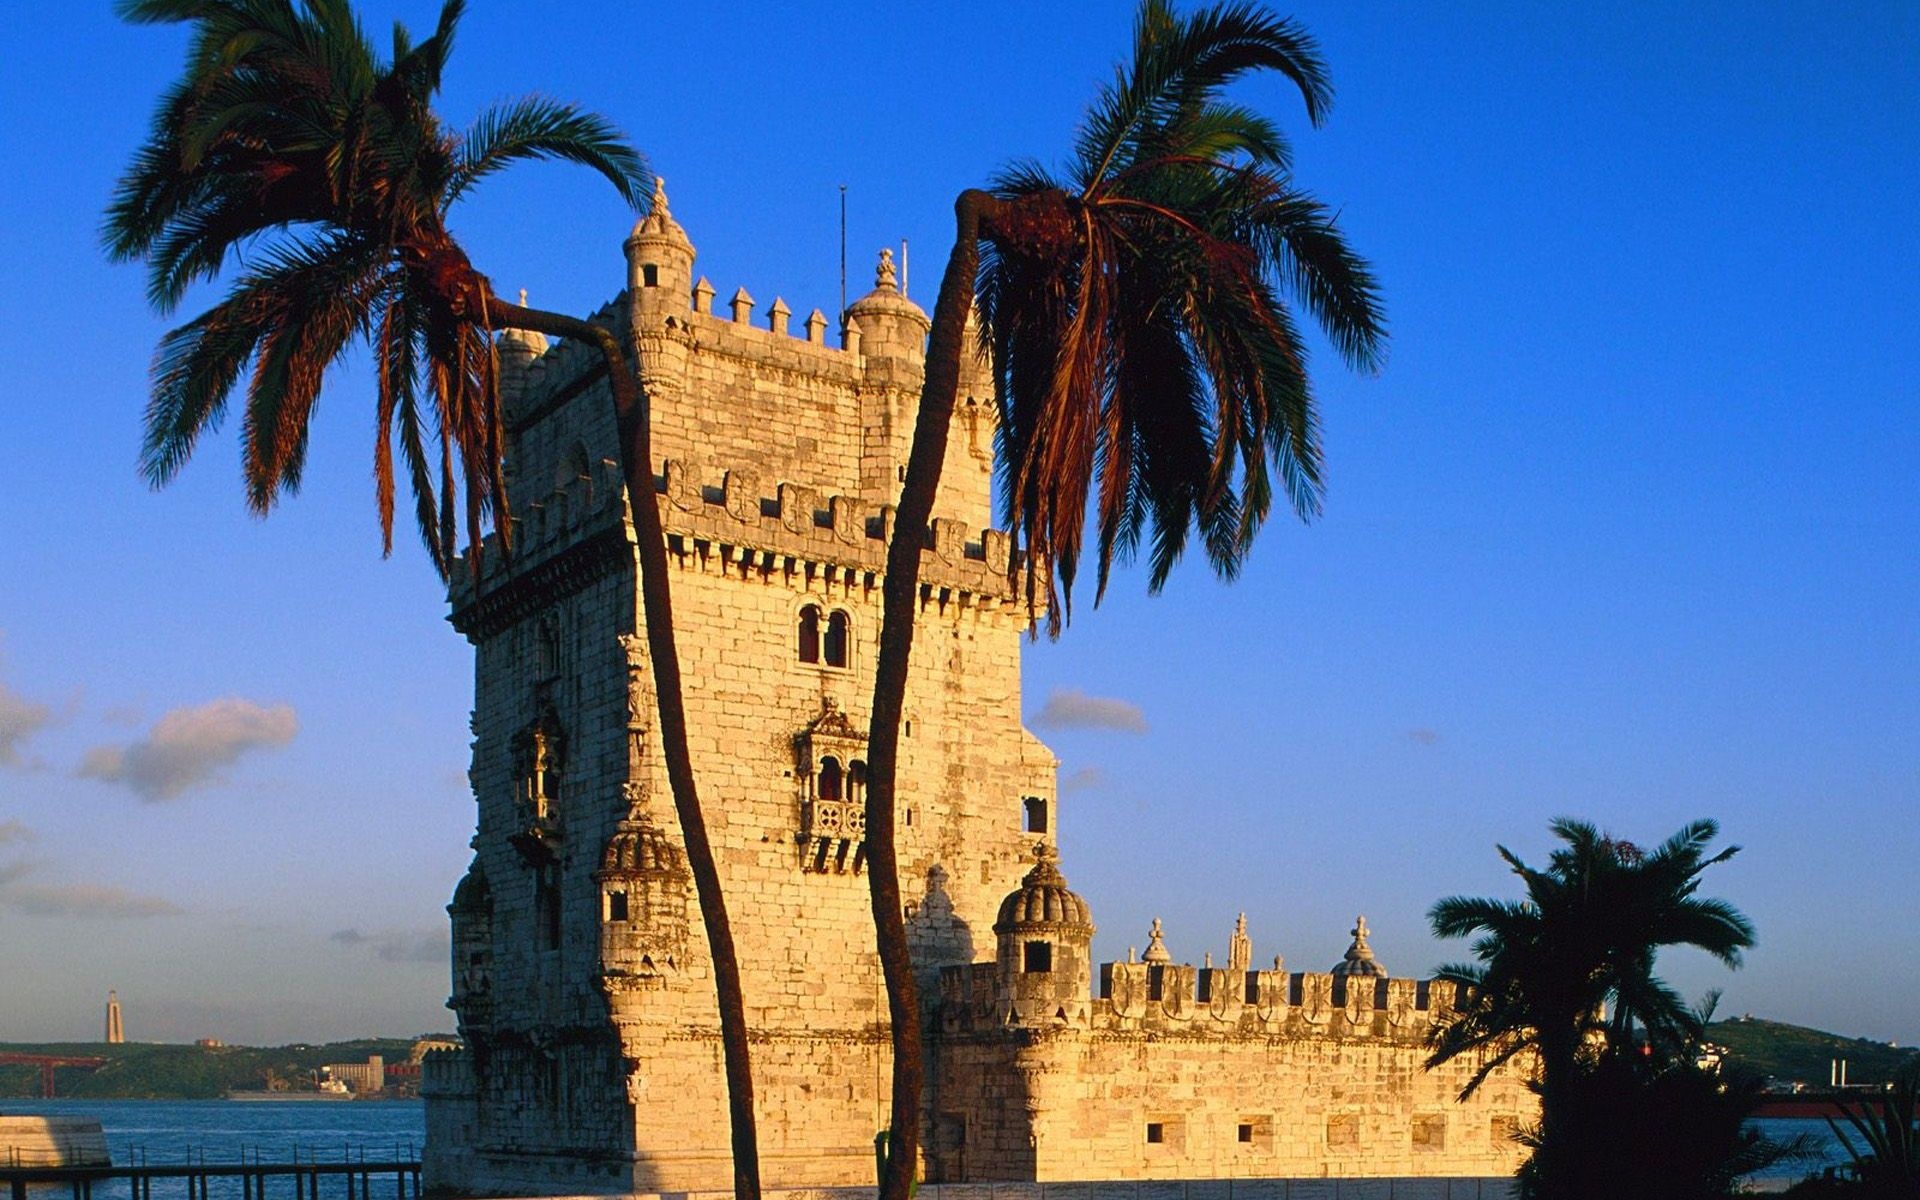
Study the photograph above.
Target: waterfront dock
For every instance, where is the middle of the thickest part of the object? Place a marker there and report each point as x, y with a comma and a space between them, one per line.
300, 1180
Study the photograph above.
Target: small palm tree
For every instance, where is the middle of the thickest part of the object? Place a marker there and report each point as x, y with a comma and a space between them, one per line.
288, 145
1886, 1160
1134, 309
1568, 972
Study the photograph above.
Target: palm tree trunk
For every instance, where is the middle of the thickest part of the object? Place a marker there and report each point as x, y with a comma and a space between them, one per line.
1559, 1060
900, 592
636, 459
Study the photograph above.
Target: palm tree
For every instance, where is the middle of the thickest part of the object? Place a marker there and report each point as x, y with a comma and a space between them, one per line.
1887, 1159
1568, 972
1133, 307
288, 145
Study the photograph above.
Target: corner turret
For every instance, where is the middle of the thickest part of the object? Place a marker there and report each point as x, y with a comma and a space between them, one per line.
643, 883
659, 259
1045, 933
519, 349
890, 325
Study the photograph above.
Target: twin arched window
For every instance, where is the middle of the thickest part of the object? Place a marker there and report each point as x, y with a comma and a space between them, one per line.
829, 645
837, 784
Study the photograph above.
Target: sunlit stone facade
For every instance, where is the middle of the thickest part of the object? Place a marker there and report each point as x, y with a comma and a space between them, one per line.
581, 979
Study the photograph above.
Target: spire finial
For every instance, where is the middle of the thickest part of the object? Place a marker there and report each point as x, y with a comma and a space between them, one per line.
660, 197
1359, 959
884, 277
1156, 946
523, 297
1239, 946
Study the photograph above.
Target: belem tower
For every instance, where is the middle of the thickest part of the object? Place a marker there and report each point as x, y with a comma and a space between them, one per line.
581, 980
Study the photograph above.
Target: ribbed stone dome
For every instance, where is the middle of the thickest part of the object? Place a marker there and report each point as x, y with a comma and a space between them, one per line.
473, 895
1044, 899
1359, 960
532, 341
659, 224
886, 300
638, 848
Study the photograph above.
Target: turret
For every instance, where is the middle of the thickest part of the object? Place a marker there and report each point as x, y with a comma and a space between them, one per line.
1044, 965
472, 913
643, 905
519, 349
889, 334
659, 260
890, 325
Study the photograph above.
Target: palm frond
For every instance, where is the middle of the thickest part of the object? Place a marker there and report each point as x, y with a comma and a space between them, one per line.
537, 128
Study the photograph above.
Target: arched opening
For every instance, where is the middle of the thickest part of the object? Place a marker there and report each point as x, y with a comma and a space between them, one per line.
810, 634
829, 779
839, 627
856, 782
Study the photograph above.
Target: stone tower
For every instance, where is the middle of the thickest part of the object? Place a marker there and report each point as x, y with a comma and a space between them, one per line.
116, 1028
581, 978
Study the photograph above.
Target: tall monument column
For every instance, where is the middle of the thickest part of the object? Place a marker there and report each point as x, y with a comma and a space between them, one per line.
116, 1032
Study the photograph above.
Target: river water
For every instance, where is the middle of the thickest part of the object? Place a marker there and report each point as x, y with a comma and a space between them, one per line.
161, 1132
179, 1131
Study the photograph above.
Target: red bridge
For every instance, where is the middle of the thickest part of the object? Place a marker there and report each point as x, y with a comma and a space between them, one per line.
49, 1063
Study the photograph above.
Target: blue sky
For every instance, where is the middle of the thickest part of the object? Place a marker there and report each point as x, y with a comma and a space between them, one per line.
1628, 528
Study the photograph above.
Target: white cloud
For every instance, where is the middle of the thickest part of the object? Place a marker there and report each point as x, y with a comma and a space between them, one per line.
1423, 735
1085, 779
401, 946
14, 831
23, 895
1071, 708
188, 747
20, 719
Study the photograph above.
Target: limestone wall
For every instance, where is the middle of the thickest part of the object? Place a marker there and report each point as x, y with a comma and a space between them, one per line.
595, 1062
580, 976
51, 1142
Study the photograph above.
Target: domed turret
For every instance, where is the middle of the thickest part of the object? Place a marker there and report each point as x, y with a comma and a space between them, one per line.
522, 344
1043, 902
890, 325
643, 897
659, 258
1045, 931
518, 349
1359, 960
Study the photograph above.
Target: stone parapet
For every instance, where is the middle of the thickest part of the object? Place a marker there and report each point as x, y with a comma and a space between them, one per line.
580, 530
51, 1142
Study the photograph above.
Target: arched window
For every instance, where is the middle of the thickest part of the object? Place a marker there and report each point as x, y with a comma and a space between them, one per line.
839, 626
857, 782
810, 634
830, 779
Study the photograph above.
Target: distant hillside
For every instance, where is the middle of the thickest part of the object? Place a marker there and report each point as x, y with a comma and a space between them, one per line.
152, 1071
1794, 1052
